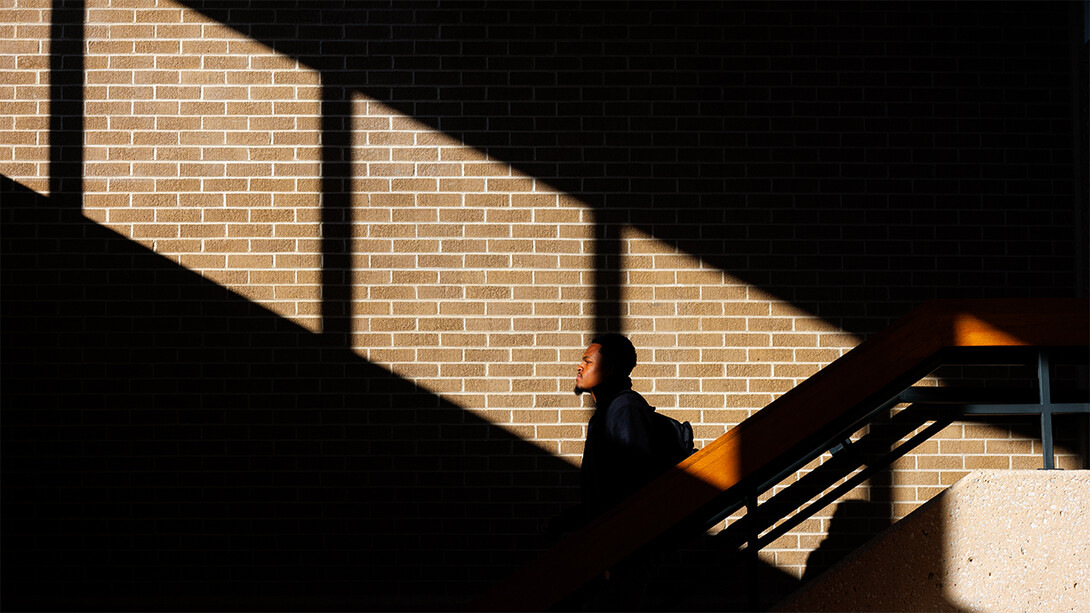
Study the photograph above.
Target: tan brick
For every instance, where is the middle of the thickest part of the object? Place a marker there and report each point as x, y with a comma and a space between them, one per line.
724, 385
391, 355
390, 139
130, 216
370, 340
962, 446
390, 292
820, 356
775, 386
487, 200
224, 215
570, 432
249, 230
175, 62
721, 355
490, 324
1004, 446
200, 200
697, 370
510, 370
953, 431
271, 277
250, 261
227, 246
461, 216
91, 138
976, 462
948, 478
203, 261
940, 463
155, 138
794, 340
1063, 462
154, 231
704, 401
441, 323
456, 339
178, 215
929, 446
795, 371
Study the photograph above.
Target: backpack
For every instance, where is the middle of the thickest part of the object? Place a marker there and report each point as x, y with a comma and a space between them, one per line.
673, 438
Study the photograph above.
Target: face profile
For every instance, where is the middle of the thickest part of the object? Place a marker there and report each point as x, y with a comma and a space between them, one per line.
592, 370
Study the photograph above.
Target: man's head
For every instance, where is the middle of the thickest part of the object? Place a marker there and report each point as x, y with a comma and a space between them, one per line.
610, 358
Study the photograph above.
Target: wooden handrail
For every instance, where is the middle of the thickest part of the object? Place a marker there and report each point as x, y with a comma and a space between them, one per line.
859, 377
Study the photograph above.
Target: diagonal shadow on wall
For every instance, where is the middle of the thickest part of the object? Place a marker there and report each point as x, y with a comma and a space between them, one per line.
846, 159
169, 444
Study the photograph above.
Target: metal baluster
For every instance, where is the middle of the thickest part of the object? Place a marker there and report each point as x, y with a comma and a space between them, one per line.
1045, 381
753, 549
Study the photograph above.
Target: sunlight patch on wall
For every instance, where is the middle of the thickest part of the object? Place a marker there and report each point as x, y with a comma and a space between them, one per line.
470, 278
24, 93
715, 348
204, 146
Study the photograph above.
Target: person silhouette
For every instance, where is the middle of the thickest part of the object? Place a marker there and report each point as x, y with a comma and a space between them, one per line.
619, 455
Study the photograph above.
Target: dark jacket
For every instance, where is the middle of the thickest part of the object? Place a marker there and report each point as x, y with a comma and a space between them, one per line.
618, 457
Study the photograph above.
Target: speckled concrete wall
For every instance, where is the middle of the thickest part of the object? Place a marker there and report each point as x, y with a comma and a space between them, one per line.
1014, 540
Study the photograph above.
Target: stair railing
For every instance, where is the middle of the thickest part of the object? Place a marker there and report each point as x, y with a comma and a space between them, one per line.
818, 415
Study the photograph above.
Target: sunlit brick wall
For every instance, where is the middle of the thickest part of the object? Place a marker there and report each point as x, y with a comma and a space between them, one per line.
24, 148
746, 190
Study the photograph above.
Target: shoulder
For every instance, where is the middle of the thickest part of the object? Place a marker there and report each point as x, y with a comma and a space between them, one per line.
629, 398
626, 406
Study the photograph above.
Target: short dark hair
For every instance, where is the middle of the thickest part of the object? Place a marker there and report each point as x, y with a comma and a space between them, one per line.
617, 351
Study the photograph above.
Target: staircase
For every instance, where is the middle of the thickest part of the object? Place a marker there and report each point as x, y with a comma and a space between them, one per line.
817, 416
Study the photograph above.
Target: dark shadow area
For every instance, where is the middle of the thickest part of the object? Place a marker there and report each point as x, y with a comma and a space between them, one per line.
66, 100
853, 523
608, 273
336, 109
651, 582
169, 445
855, 159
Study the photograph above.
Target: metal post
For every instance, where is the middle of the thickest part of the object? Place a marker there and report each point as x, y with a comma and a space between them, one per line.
1044, 379
753, 548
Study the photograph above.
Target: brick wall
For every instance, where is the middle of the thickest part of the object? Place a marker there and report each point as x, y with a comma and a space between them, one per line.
294, 292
